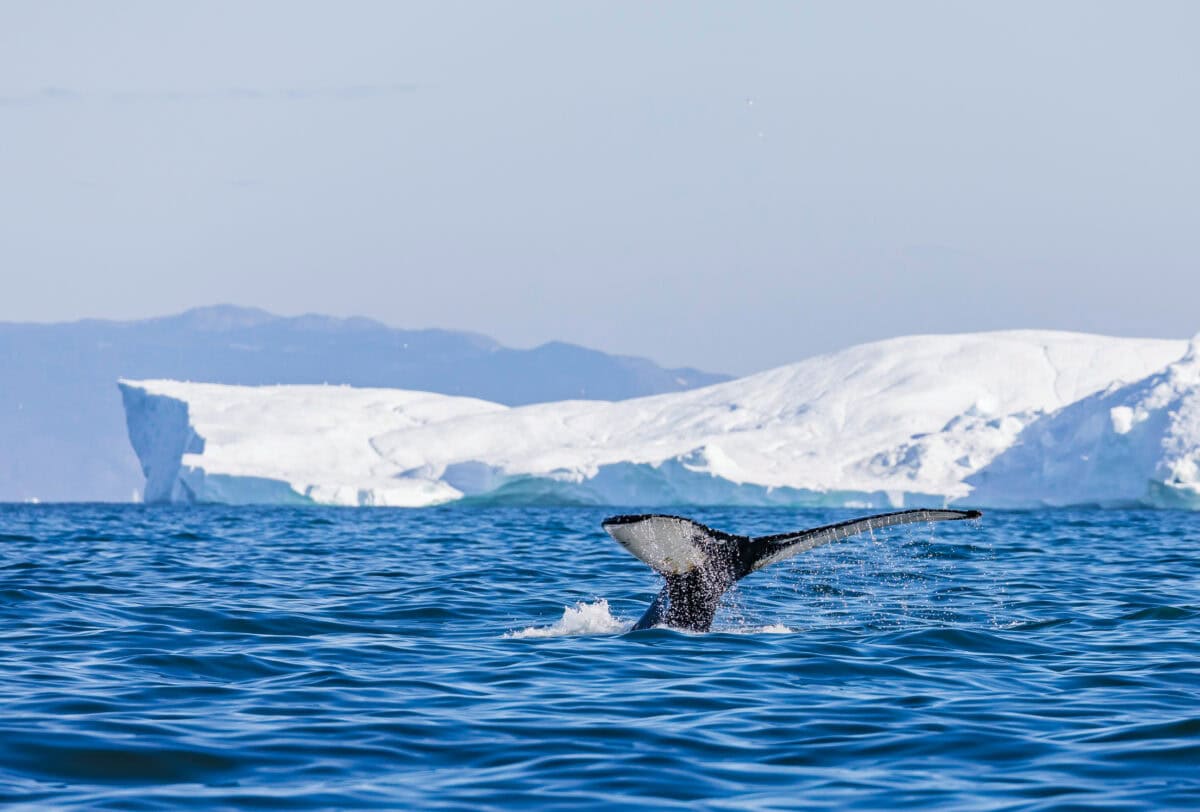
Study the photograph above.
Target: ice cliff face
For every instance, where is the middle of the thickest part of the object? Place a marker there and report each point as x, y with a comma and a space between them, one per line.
917, 420
281, 444
1133, 445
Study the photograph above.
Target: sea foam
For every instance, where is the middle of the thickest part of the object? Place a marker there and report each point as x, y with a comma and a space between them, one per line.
580, 619
597, 618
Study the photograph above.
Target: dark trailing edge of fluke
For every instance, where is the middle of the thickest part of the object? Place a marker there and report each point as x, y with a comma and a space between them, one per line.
701, 563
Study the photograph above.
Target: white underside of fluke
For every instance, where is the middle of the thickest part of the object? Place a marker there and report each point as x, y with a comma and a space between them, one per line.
666, 543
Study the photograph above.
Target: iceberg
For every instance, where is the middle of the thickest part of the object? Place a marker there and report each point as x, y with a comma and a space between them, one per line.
1136, 445
913, 421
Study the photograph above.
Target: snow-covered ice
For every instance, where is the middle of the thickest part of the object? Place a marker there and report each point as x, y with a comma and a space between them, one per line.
1133, 445
909, 421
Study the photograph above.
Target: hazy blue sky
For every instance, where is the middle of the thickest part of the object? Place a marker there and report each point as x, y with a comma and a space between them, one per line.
729, 185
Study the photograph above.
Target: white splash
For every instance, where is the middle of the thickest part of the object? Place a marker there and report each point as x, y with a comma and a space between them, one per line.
596, 618
774, 628
582, 618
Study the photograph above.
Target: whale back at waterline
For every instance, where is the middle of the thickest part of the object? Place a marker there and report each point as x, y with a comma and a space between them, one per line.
700, 563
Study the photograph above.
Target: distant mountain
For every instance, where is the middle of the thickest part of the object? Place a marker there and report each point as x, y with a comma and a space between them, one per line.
62, 427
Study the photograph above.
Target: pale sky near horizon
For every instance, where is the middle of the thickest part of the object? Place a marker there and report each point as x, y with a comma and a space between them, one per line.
726, 185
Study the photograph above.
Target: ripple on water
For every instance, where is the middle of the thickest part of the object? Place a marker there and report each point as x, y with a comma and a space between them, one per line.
304, 657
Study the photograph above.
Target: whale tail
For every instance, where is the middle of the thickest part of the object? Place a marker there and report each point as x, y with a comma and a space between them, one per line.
701, 563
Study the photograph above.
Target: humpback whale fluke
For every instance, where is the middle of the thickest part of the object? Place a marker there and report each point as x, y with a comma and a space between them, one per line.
701, 563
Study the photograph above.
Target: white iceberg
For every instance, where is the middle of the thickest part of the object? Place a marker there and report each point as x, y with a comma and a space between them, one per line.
894, 423
1129, 446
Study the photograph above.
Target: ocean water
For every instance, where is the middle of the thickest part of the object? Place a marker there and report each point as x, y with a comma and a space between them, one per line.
478, 658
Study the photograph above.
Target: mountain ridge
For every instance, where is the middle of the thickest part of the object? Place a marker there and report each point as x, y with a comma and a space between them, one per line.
62, 427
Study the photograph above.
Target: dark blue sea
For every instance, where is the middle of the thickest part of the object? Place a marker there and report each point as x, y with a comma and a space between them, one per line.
477, 658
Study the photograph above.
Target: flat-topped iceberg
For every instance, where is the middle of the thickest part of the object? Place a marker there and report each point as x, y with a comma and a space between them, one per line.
909, 421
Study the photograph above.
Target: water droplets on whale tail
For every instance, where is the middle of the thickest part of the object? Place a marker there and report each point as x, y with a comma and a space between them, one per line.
701, 563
